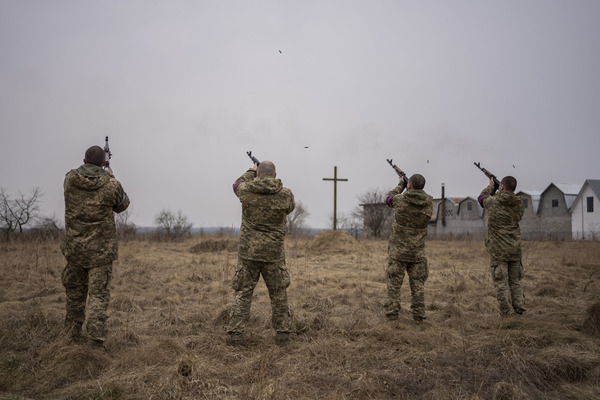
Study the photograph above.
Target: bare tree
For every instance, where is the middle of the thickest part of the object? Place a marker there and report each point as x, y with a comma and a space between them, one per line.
125, 227
296, 221
172, 225
375, 215
18, 212
46, 228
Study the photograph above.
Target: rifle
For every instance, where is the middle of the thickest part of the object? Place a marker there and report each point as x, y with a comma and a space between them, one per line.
254, 160
488, 174
398, 170
107, 154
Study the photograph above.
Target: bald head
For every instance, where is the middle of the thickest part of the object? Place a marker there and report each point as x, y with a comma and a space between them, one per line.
95, 155
266, 168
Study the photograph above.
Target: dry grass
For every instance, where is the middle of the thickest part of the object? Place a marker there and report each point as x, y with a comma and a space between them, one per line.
170, 303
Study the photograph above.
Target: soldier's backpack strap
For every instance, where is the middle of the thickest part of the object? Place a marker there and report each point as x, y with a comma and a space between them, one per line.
248, 200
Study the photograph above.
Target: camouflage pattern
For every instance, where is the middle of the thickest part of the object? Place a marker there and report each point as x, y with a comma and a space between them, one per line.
246, 277
91, 196
417, 275
266, 204
80, 281
503, 242
406, 248
413, 211
505, 211
507, 277
90, 246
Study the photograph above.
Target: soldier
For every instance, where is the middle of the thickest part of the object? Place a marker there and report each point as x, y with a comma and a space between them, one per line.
265, 206
90, 243
406, 247
503, 242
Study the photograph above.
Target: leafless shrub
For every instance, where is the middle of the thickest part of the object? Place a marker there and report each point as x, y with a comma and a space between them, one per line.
296, 221
375, 214
46, 228
172, 226
126, 229
17, 212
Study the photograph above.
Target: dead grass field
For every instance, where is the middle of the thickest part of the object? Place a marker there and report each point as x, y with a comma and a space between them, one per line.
170, 303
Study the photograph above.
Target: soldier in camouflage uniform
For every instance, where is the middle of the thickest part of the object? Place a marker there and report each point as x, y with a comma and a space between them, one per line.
90, 243
503, 242
406, 246
265, 206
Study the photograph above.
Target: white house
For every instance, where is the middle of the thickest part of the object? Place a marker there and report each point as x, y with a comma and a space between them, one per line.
585, 212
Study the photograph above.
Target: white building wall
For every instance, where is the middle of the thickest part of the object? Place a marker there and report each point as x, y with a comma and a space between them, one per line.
586, 225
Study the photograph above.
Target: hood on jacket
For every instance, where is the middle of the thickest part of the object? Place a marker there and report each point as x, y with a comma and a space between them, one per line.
266, 185
417, 197
88, 177
508, 199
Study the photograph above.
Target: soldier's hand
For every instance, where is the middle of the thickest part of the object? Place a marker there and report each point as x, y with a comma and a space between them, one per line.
492, 183
110, 171
255, 167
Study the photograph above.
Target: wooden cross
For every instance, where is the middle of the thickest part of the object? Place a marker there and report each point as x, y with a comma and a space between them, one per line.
335, 180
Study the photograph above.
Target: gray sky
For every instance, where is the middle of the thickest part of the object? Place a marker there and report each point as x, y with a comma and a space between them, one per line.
184, 88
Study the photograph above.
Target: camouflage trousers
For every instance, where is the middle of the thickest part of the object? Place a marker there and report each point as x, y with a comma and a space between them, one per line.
507, 277
246, 277
417, 275
87, 284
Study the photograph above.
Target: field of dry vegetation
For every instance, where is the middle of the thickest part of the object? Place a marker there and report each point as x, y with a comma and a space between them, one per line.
170, 303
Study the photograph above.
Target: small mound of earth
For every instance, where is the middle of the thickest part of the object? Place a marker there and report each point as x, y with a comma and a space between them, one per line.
332, 241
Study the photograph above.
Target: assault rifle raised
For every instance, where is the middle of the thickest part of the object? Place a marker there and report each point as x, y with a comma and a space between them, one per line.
107, 154
398, 170
254, 160
488, 174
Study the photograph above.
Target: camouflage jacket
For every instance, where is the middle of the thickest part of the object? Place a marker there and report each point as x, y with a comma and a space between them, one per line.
265, 206
504, 211
412, 215
91, 196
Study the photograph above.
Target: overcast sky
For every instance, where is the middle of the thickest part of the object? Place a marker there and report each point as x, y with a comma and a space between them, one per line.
184, 88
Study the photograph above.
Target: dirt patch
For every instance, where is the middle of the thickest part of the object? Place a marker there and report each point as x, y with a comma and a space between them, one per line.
333, 242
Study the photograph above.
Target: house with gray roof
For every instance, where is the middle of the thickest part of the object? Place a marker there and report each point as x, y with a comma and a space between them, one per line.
559, 212
530, 223
555, 210
456, 217
585, 212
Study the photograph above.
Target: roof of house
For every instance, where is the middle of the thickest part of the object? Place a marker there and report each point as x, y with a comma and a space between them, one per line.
595, 185
569, 190
535, 198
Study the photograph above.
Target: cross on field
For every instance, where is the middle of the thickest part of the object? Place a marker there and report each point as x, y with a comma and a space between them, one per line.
335, 180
